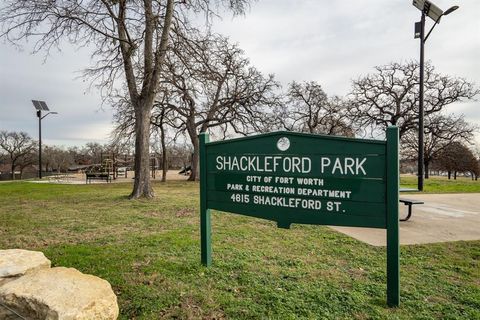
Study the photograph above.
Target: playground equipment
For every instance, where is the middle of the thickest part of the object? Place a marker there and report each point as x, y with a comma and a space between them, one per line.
117, 165
101, 172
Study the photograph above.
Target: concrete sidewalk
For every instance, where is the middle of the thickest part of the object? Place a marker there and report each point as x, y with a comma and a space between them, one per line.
443, 217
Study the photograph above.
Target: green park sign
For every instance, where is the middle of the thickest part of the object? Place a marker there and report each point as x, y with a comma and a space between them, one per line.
301, 178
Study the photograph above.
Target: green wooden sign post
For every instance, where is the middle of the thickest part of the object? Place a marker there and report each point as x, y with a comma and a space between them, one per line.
291, 177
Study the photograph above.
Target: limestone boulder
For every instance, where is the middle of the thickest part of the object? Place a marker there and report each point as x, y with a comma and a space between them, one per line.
59, 293
15, 263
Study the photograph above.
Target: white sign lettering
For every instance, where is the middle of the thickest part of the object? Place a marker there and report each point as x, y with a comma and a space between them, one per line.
353, 166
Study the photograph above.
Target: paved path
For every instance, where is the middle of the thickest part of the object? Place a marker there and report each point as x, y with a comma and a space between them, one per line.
443, 217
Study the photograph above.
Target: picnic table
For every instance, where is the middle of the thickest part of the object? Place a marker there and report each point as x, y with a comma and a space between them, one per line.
409, 203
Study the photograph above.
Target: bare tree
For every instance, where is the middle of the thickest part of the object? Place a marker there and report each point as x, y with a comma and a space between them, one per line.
27, 160
440, 132
160, 119
19, 147
457, 157
56, 158
94, 151
308, 109
78, 157
129, 39
390, 96
123, 132
474, 167
209, 83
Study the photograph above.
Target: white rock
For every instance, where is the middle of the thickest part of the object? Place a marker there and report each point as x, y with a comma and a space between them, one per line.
16, 262
59, 293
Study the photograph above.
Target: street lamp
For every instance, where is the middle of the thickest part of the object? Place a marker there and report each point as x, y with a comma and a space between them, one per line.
435, 13
41, 106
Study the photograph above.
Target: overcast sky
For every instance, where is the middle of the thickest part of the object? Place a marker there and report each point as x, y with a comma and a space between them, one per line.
330, 42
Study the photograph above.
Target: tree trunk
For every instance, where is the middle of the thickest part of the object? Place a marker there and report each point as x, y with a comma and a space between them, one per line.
164, 153
449, 174
427, 174
153, 164
142, 187
143, 102
454, 175
164, 168
192, 133
13, 171
194, 165
115, 170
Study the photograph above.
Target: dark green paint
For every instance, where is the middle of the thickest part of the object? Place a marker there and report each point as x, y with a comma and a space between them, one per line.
393, 243
367, 192
205, 224
360, 189
372, 185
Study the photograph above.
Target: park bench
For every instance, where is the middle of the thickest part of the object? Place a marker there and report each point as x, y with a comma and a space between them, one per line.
98, 176
409, 203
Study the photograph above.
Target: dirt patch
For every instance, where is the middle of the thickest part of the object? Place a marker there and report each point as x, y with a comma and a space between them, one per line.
186, 212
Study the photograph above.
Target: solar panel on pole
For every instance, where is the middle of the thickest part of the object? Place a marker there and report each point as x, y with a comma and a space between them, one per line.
37, 104
44, 106
430, 9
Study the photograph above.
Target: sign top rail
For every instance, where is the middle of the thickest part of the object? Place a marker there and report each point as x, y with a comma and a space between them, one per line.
298, 134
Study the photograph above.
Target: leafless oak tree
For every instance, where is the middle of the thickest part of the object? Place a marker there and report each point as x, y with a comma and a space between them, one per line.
56, 158
129, 39
209, 83
160, 122
390, 96
308, 109
124, 133
441, 131
457, 157
19, 147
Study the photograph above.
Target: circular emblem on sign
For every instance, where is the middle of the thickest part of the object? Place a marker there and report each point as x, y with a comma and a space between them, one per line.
283, 144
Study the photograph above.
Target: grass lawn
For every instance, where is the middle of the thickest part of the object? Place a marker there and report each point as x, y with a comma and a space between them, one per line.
149, 252
436, 184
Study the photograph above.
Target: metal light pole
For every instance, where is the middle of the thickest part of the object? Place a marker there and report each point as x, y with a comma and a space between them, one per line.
421, 110
39, 115
435, 13
41, 105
